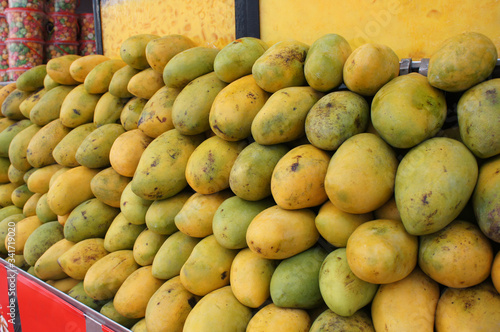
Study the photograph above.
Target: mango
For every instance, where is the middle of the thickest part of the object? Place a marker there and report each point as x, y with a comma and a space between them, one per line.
156, 115
9, 133
146, 246
78, 107
108, 109
369, 67
336, 117
7, 225
98, 79
121, 234
336, 226
281, 66
104, 277
209, 166
188, 65
41, 145
134, 207
365, 154
108, 310
173, 298
43, 211
32, 79
27, 104
119, 82
160, 175
231, 219
108, 185
390, 307
236, 59
495, 271
254, 183
387, 211
218, 311
462, 61
20, 195
94, 150
38, 181
19, 145
208, 267
145, 83
47, 266
160, 51
467, 265
133, 50
408, 110
191, 108
64, 152
343, 292
127, 150
235, 107
59, 69
360, 321
29, 207
282, 118
78, 293
133, 296
381, 251
160, 216
267, 237
484, 198
79, 257
131, 112
273, 318
140, 326
323, 68
6, 90
22, 230
10, 106
90, 219
6, 193
472, 308
196, 215
4, 169
48, 108
172, 255
80, 68
49, 83
70, 189
448, 173
64, 285
476, 112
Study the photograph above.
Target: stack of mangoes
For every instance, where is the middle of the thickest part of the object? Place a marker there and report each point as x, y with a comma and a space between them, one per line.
284, 187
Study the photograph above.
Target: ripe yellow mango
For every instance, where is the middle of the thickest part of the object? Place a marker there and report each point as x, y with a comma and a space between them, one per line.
41, 145
80, 256
59, 69
81, 67
160, 51
47, 266
156, 116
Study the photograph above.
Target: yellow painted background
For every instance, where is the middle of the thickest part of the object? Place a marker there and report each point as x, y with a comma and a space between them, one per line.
412, 28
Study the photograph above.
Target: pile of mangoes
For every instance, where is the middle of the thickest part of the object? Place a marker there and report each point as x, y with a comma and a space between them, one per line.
284, 187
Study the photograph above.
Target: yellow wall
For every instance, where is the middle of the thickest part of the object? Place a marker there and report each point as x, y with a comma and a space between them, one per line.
412, 28
206, 22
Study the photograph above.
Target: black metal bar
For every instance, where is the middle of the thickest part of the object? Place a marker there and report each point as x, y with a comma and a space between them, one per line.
96, 7
247, 18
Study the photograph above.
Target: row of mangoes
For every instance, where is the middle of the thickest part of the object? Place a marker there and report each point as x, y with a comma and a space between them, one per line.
245, 189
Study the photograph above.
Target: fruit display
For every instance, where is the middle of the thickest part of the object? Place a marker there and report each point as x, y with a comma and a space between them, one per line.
285, 187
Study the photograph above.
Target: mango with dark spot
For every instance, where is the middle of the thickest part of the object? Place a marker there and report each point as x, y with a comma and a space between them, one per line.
298, 179
146, 246
6, 90
445, 168
47, 266
281, 66
171, 297
172, 255
59, 69
108, 185
282, 118
48, 107
8, 134
133, 296
90, 219
133, 50
21, 195
209, 166
108, 109
32, 79
343, 292
235, 107
79, 257
156, 116
10, 106
131, 112
485, 199
477, 112
78, 107
65, 151
41, 145
27, 104
208, 266
121, 234
161, 170
462, 61
236, 59
325, 60
94, 150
